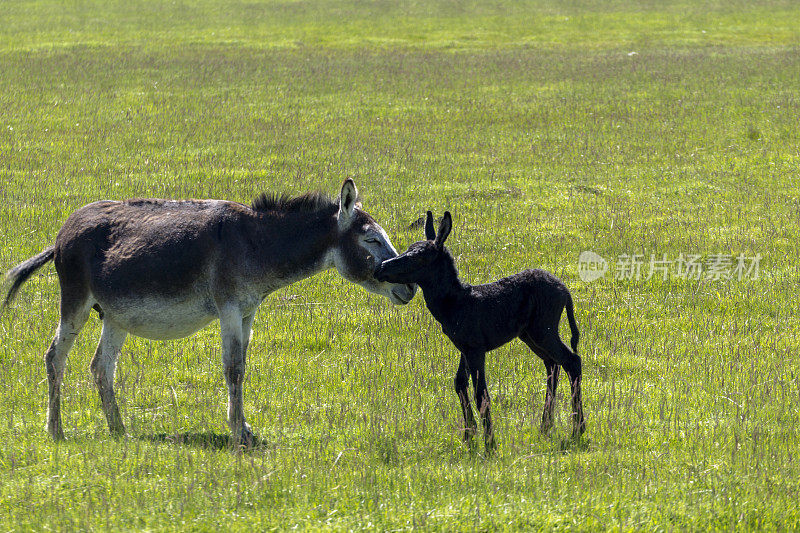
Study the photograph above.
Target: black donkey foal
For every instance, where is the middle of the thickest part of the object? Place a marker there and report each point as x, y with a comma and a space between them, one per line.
480, 318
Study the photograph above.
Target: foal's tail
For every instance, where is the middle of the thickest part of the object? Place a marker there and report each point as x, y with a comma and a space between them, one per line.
20, 273
572, 325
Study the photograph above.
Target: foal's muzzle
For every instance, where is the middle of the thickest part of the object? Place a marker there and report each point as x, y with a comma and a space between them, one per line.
380, 273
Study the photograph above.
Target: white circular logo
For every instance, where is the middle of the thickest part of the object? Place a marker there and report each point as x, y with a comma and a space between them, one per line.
591, 266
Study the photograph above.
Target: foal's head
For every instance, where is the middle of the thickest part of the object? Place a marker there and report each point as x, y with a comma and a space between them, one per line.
423, 259
363, 246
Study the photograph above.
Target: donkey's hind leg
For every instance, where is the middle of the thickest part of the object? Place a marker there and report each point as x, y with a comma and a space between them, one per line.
104, 365
74, 314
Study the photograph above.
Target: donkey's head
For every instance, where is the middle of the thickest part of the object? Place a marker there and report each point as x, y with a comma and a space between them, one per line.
363, 246
421, 260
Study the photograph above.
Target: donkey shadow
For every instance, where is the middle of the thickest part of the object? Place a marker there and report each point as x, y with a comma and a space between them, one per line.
206, 440
572, 444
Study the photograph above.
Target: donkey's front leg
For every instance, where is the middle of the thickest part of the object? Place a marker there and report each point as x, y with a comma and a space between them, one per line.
234, 344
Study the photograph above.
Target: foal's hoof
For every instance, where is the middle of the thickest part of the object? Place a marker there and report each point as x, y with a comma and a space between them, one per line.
546, 426
467, 433
578, 430
491, 445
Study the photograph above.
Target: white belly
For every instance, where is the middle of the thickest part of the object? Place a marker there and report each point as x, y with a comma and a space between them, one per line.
153, 317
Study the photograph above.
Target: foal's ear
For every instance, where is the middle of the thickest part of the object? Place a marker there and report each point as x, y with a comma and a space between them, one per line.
347, 203
430, 233
444, 229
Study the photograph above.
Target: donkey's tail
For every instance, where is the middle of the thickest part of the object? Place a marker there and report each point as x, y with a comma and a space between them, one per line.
572, 325
20, 273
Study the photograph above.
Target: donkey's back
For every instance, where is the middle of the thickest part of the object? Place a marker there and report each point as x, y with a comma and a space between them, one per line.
151, 266
149, 245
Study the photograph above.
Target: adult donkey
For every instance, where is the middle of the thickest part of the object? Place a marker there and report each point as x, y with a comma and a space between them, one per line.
163, 269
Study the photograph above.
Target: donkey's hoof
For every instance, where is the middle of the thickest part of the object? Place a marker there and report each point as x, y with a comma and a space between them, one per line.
247, 438
56, 434
546, 426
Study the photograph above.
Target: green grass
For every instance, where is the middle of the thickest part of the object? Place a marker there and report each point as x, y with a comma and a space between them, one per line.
446, 24
536, 126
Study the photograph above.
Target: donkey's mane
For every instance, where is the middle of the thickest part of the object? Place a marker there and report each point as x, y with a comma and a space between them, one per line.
306, 203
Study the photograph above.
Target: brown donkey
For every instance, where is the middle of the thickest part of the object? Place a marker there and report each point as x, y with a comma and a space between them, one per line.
163, 269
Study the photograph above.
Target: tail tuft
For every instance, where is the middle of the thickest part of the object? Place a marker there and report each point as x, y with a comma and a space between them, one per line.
20, 273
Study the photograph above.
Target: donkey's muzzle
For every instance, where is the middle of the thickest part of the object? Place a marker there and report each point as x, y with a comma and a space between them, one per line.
403, 293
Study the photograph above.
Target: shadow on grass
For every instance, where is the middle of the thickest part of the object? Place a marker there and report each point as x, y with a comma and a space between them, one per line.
207, 440
475, 449
571, 444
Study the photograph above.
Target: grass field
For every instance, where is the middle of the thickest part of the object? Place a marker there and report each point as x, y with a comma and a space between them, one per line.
547, 129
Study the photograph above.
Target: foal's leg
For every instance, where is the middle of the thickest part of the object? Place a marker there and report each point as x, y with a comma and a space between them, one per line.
233, 361
74, 314
553, 371
573, 369
461, 383
104, 365
571, 362
477, 367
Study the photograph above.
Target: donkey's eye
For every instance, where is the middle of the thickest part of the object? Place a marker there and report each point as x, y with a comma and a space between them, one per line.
372, 241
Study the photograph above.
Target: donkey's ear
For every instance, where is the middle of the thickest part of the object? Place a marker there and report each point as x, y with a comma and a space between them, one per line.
430, 233
444, 229
347, 203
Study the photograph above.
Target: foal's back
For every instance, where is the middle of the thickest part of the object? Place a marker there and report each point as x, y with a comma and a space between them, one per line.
530, 292
497, 312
